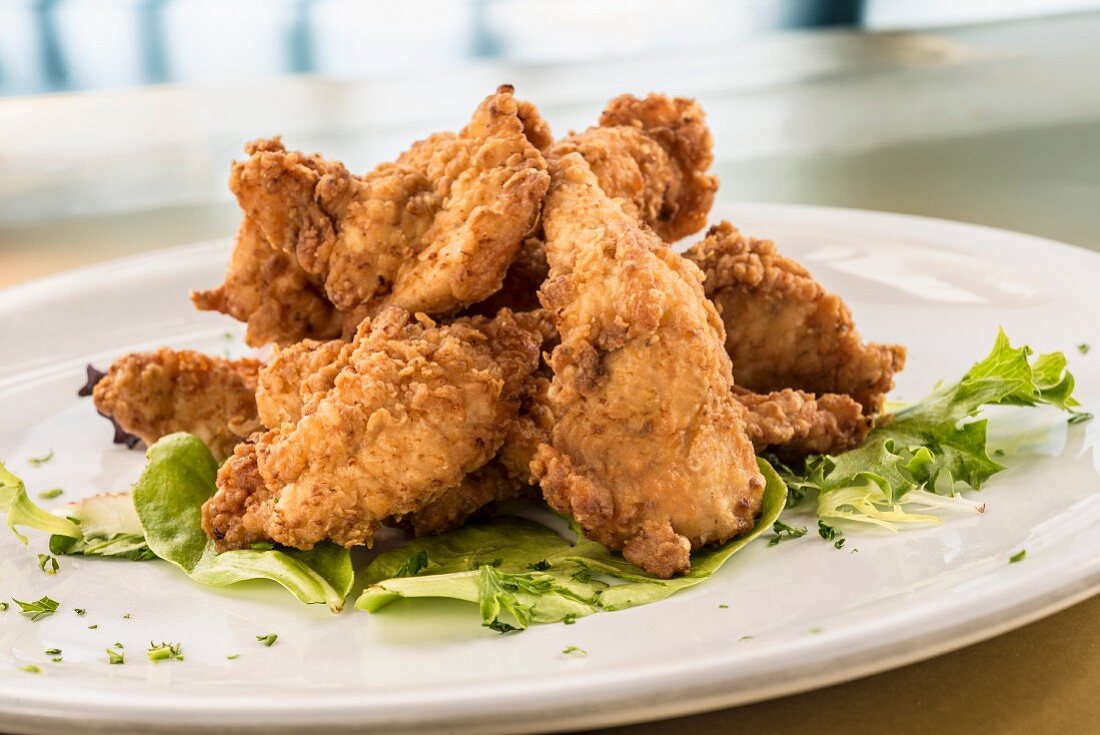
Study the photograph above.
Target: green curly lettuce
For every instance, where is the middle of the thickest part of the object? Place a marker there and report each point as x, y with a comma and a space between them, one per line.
916, 459
519, 572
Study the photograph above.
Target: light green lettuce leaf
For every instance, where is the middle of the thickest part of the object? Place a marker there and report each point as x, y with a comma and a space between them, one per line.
520, 572
109, 526
178, 478
932, 447
23, 512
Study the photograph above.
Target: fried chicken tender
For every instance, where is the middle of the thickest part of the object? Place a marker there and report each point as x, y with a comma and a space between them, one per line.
152, 394
794, 423
783, 330
412, 409
267, 289
432, 232
652, 154
648, 452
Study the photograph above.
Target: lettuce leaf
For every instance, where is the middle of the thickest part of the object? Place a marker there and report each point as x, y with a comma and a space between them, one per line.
109, 526
178, 478
22, 511
920, 455
519, 572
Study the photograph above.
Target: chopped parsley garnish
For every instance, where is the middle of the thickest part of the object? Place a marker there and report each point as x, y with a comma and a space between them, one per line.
3, 607
261, 546
56, 659
569, 619
118, 645
37, 461
53, 651
1018, 556
233, 657
51, 493
413, 565
745, 638
38, 609
268, 639
814, 630
1083, 348
93, 627
723, 606
1079, 417
784, 531
126, 616
539, 566
829, 533
574, 651
500, 626
31, 669
47, 564
164, 652
114, 657
79, 611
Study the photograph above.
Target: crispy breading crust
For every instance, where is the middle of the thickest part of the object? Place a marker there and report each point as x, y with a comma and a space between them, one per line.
783, 330
432, 232
652, 154
414, 408
794, 423
152, 394
648, 452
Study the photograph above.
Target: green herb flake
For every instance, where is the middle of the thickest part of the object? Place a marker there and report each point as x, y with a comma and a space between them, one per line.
1079, 417
1018, 556
115, 657
569, 619
31, 669
47, 564
118, 645
233, 657
745, 638
126, 616
53, 651
261, 546
539, 566
79, 611
814, 630
164, 652
42, 608
723, 606
3, 607
50, 494
574, 651
93, 627
57, 659
1083, 348
784, 531
268, 640
38, 461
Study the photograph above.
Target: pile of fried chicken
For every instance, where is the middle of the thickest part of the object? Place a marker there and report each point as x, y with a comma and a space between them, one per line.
498, 313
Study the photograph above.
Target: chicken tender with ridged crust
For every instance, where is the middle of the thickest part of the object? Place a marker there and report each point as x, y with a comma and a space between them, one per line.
794, 423
783, 330
652, 154
415, 409
432, 232
648, 452
153, 394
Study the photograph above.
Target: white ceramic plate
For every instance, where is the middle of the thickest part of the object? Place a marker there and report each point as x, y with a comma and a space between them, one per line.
815, 615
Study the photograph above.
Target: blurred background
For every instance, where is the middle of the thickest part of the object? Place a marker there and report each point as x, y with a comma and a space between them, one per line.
119, 118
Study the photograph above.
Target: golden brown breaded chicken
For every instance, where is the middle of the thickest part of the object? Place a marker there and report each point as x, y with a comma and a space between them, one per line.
413, 410
652, 154
432, 232
794, 423
648, 452
783, 330
295, 375
267, 288
153, 394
